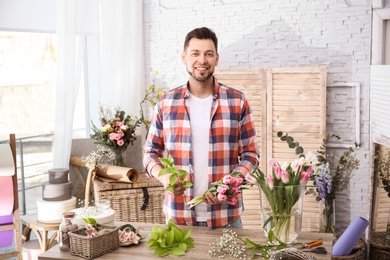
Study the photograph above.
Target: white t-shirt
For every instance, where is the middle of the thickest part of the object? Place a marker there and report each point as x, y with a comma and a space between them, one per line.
200, 109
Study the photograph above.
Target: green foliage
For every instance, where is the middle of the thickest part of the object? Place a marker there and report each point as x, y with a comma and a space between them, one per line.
264, 249
93, 223
290, 141
177, 174
170, 240
383, 168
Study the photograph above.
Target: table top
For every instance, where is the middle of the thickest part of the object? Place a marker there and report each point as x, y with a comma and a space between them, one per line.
202, 236
32, 222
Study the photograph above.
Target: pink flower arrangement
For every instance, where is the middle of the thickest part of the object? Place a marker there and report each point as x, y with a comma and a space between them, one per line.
91, 231
226, 190
128, 235
117, 130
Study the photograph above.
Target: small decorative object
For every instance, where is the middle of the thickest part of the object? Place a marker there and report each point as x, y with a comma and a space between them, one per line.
281, 195
94, 240
290, 253
225, 190
66, 226
383, 168
103, 205
128, 235
170, 240
117, 131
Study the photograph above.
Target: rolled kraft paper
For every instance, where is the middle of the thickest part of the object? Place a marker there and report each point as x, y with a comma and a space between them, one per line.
350, 237
7, 167
6, 195
6, 236
113, 173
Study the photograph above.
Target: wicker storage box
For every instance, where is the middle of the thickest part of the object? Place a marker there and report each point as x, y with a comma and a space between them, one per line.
141, 201
358, 252
92, 247
379, 246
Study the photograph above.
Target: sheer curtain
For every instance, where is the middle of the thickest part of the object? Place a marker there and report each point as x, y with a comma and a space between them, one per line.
100, 51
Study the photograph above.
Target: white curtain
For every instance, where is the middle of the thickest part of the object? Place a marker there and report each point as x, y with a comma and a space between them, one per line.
100, 47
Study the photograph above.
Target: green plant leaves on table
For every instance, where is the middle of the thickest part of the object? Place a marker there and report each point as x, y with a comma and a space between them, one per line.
170, 240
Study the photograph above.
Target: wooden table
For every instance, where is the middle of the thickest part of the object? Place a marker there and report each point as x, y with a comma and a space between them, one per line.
202, 239
41, 230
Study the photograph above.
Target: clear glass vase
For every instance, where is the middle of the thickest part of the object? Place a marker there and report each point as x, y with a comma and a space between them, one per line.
328, 216
281, 209
120, 159
388, 226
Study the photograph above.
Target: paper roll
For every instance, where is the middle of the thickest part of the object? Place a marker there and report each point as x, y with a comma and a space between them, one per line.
350, 237
113, 173
7, 167
6, 236
6, 195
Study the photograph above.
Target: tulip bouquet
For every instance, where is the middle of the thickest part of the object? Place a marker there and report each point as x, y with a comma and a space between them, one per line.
226, 190
282, 196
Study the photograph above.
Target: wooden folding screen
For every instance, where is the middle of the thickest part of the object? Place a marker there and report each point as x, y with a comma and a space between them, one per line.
292, 100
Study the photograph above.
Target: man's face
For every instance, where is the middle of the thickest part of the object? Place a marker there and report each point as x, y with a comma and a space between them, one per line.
200, 59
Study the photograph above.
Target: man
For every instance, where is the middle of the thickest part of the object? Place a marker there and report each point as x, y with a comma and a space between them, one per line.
208, 129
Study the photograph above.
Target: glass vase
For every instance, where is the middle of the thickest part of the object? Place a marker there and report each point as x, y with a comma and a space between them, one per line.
388, 226
119, 159
328, 216
281, 208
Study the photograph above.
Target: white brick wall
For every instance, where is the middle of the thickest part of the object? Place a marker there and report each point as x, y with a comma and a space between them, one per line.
270, 33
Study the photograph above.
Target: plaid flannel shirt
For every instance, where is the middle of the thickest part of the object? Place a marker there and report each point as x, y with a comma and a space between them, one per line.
232, 147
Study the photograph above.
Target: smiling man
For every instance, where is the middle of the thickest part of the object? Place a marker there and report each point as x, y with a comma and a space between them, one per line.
208, 129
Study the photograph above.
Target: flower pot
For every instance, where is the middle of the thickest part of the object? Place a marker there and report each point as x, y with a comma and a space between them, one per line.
281, 208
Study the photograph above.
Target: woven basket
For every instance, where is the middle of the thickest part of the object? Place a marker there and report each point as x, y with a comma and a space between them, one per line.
358, 252
292, 254
379, 246
141, 201
92, 247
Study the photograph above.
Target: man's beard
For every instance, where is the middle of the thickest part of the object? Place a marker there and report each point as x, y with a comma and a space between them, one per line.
209, 75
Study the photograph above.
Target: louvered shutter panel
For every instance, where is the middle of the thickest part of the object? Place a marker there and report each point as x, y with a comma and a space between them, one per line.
252, 83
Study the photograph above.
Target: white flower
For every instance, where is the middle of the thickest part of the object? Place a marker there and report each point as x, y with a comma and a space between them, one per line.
124, 127
311, 158
106, 128
284, 165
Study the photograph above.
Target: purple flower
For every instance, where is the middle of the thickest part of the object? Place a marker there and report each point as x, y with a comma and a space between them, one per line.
324, 182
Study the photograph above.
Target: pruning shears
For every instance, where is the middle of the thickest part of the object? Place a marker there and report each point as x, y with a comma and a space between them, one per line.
311, 244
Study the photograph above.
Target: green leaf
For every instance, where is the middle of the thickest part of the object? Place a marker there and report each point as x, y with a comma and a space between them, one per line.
187, 184
178, 234
164, 171
91, 221
183, 246
162, 251
185, 234
165, 162
172, 179
170, 187
177, 251
169, 237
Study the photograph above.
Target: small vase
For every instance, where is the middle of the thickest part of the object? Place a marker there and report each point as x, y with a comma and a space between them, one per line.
281, 209
328, 216
119, 159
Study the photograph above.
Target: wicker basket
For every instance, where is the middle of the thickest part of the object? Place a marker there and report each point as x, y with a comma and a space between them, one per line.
92, 247
358, 252
379, 246
141, 201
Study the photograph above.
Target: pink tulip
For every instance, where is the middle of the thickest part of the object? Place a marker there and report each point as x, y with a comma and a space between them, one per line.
236, 182
309, 170
227, 179
236, 190
284, 176
273, 162
277, 171
222, 188
249, 178
221, 196
232, 201
270, 182
305, 177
